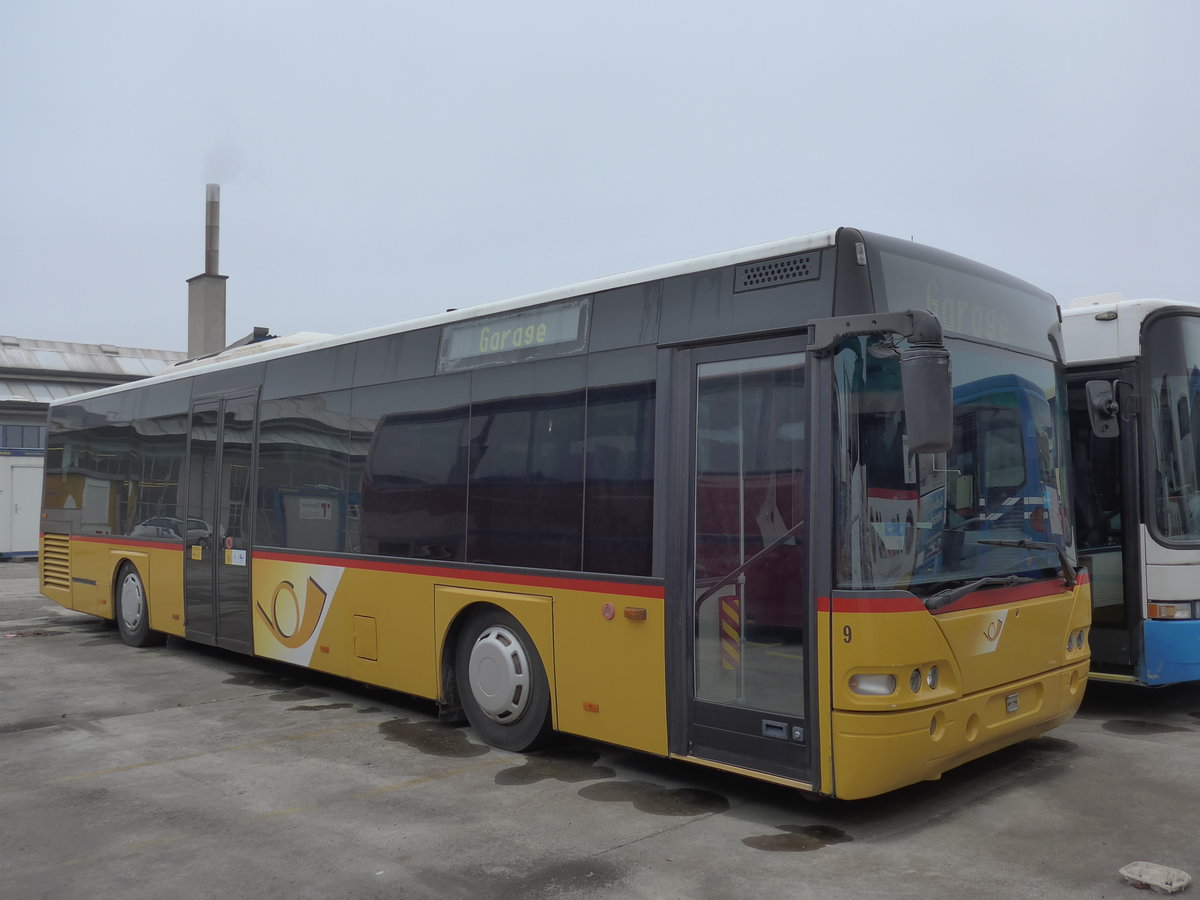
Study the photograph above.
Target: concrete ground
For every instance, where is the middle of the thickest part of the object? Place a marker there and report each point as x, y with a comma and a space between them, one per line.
183, 771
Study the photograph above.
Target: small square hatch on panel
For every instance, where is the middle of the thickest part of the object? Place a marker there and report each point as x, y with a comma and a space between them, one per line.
774, 272
366, 640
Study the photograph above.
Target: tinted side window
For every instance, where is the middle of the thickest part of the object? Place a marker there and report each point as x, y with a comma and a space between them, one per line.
156, 469
414, 473
619, 486
526, 458
304, 493
98, 486
619, 490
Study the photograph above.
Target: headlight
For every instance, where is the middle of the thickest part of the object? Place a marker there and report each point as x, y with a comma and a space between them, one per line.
873, 685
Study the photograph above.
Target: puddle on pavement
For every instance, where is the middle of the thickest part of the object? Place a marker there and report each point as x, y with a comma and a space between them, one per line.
319, 706
657, 800
798, 838
1140, 727
432, 738
565, 765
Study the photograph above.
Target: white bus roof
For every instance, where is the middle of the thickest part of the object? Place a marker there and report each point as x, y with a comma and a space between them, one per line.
1108, 327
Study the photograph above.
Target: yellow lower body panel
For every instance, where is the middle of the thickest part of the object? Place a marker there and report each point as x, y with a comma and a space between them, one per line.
876, 752
80, 573
392, 624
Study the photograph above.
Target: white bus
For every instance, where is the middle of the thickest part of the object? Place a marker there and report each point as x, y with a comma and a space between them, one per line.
1134, 395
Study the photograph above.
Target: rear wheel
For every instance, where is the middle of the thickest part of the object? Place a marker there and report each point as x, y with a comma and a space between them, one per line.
133, 610
502, 682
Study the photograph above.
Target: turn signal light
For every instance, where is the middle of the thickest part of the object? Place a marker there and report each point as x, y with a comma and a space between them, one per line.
1169, 610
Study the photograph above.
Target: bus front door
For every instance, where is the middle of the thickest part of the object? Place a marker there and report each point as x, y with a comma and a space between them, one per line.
747, 628
1106, 517
219, 512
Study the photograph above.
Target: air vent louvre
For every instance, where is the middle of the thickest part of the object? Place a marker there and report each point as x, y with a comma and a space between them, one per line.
774, 272
56, 561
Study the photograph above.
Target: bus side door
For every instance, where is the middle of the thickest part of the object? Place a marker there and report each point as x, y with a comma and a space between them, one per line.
220, 510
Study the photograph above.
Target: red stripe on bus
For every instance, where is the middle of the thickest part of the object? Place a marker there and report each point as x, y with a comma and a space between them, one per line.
995, 596
126, 542
869, 604
582, 584
1000, 595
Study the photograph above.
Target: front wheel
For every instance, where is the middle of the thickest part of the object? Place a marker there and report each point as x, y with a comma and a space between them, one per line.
502, 682
133, 611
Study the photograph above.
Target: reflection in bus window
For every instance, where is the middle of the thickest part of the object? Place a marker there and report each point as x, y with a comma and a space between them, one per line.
917, 521
415, 486
526, 482
749, 552
618, 505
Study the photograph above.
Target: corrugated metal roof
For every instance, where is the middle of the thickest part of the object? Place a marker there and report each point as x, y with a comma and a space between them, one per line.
98, 360
30, 391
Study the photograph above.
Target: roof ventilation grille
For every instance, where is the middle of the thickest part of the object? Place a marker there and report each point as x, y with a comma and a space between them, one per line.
774, 272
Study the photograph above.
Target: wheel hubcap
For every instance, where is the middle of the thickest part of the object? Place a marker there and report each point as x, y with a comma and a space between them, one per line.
499, 675
133, 602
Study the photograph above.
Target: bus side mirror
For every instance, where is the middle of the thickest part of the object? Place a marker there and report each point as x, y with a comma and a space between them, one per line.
928, 399
1102, 409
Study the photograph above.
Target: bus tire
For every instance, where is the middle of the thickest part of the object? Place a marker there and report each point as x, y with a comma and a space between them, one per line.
502, 682
133, 610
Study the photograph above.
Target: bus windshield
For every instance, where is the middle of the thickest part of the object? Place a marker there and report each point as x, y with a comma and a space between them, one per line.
1172, 355
925, 522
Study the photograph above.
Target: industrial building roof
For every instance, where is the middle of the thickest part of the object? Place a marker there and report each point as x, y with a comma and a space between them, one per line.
37, 372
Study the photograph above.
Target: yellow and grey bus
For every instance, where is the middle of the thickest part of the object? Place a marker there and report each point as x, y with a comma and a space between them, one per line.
721, 511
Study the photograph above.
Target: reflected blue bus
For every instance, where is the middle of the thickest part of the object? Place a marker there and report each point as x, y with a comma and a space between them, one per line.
1001, 480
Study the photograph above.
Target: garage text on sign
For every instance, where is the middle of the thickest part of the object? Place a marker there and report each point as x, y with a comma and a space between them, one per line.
558, 328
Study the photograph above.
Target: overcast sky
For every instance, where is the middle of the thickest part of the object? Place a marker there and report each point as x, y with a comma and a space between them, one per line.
380, 161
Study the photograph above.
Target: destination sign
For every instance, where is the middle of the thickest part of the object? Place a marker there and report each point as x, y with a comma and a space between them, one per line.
495, 338
968, 304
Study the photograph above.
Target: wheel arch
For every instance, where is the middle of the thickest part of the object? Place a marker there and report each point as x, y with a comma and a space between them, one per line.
454, 607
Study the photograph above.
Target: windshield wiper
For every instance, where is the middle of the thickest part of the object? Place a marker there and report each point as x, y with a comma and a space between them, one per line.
949, 595
1068, 572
